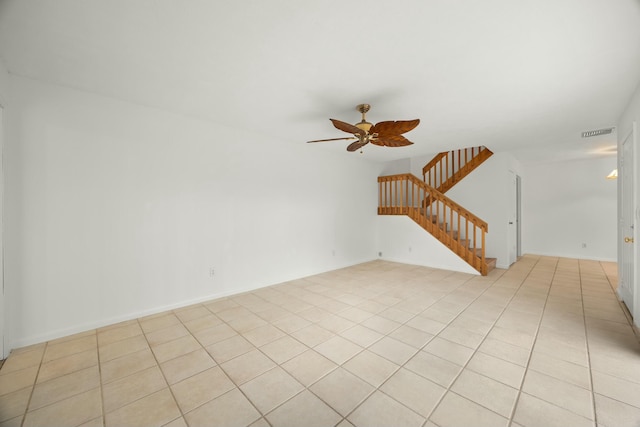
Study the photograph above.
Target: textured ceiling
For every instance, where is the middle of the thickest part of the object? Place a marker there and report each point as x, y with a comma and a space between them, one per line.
523, 76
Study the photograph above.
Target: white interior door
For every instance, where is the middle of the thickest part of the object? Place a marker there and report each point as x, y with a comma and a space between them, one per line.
512, 218
626, 235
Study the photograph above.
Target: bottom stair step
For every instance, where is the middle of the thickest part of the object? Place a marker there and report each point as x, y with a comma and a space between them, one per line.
491, 263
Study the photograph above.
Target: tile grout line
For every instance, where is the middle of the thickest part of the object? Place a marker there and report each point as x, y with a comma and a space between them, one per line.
453, 381
33, 387
535, 338
414, 354
425, 344
144, 334
586, 338
338, 366
104, 415
548, 401
219, 365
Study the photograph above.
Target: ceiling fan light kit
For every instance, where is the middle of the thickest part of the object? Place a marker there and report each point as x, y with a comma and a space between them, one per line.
385, 134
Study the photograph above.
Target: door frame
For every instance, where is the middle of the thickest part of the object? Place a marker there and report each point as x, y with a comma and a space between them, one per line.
3, 350
518, 216
513, 227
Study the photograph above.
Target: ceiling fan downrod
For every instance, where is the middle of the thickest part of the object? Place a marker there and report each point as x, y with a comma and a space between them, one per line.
364, 124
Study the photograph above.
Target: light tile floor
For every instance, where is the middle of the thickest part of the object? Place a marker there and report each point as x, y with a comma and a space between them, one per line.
544, 343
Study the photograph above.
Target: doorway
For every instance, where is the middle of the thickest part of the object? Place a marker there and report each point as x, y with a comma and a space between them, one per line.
514, 219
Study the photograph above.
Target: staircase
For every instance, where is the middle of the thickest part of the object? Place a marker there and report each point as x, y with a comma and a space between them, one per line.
454, 226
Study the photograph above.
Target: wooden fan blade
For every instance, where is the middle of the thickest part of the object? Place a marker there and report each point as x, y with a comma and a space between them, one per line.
332, 139
355, 146
347, 127
391, 141
394, 127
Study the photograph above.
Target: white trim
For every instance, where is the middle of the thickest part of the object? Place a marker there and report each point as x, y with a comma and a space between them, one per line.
574, 256
4, 350
64, 332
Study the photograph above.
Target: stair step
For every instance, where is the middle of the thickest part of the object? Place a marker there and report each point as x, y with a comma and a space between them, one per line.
491, 263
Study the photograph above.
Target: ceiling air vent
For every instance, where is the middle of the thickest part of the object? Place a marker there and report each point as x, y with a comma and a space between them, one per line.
598, 132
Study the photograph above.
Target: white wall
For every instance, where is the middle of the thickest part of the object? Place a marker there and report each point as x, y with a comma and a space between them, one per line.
396, 167
117, 210
568, 204
485, 192
400, 239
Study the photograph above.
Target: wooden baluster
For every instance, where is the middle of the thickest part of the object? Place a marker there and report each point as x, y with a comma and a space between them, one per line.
393, 196
406, 195
399, 194
386, 195
459, 234
466, 236
400, 182
475, 246
446, 163
431, 207
403, 195
451, 223
453, 163
387, 189
427, 216
435, 219
421, 201
413, 195
389, 195
483, 266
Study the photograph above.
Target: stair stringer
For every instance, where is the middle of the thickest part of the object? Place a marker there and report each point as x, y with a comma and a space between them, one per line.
401, 239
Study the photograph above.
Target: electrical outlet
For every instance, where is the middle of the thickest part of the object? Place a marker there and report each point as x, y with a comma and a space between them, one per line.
584, 245
212, 272
409, 248
379, 253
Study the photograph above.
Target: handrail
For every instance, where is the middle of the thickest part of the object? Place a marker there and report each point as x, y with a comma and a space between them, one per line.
453, 225
437, 196
436, 159
449, 167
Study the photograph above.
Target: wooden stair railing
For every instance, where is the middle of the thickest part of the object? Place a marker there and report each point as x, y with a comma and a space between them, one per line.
448, 168
454, 226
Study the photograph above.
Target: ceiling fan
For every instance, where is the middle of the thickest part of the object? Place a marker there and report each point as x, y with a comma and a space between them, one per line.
386, 134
